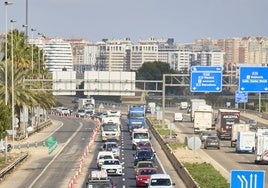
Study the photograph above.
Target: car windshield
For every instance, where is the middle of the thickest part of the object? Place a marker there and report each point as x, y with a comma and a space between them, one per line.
142, 165
141, 135
111, 162
105, 157
165, 182
212, 138
147, 171
144, 154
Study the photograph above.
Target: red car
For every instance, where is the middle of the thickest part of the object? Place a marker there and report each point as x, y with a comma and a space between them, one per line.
143, 175
144, 145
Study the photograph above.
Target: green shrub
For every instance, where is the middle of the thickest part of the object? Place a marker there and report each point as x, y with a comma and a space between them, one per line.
206, 175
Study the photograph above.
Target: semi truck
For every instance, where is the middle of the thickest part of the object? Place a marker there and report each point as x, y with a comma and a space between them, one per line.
203, 118
245, 142
136, 117
261, 155
195, 103
226, 118
238, 127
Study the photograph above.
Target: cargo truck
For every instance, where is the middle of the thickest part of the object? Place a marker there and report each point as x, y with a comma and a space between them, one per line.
262, 149
195, 103
99, 179
245, 142
238, 127
136, 117
203, 118
226, 118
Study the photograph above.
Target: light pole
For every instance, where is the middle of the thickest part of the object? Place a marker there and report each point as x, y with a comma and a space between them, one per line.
32, 30
12, 83
6, 4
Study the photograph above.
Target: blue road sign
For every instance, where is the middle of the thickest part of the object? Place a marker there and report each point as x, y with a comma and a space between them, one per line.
206, 79
247, 179
241, 96
253, 79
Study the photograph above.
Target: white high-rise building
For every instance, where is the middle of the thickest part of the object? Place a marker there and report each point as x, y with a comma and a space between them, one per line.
57, 54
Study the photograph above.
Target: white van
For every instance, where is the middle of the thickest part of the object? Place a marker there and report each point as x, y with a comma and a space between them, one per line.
160, 181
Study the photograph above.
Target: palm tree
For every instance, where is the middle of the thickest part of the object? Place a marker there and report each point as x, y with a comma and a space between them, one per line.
24, 95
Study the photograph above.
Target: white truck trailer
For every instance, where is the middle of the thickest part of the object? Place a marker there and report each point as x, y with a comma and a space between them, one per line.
195, 103
245, 142
203, 118
238, 127
262, 149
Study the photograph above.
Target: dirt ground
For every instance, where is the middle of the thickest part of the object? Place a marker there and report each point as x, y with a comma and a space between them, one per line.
187, 155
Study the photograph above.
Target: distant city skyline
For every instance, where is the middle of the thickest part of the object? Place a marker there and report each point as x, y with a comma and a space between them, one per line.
94, 20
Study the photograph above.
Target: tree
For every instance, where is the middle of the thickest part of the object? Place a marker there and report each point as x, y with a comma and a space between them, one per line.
5, 120
24, 95
153, 71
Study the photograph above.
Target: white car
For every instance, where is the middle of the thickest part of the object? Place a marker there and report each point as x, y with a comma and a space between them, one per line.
112, 167
160, 181
103, 155
63, 111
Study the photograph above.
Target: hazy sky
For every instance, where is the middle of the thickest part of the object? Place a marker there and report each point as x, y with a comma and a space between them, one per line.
183, 20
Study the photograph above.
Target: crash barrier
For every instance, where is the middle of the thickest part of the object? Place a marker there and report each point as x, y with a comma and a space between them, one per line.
7, 169
34, 129
78, 172
178, 166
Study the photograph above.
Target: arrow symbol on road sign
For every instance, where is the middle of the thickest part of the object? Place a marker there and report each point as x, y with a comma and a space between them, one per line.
242, 88
266, 89
217, 88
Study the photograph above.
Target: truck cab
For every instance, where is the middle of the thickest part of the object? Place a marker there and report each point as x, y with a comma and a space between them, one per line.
139, 135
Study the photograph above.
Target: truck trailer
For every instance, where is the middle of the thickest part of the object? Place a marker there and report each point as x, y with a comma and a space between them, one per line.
262, 149
245, 142
226, 118
203, 118
195, 103
238, 127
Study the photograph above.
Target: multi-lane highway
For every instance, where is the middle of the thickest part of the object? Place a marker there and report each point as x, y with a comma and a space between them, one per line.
226, 156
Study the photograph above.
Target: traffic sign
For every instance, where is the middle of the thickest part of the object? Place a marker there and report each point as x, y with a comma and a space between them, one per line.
247, 178
253, 79
206, 79
241, 96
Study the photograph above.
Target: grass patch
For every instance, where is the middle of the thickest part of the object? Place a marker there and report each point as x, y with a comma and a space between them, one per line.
206, 176
176, 145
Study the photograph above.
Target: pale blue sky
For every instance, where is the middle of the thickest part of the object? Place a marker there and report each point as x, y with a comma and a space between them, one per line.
183, 20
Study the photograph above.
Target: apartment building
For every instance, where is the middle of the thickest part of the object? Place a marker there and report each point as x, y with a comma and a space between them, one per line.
57, 53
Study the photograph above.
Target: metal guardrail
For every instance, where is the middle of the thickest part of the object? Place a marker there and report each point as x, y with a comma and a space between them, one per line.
7, 169
178, 166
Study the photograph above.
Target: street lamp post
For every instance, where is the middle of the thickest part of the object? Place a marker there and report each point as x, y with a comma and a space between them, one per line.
6, 4
12, 83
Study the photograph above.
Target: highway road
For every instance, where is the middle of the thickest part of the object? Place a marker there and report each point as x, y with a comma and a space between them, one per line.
73, 136
226, 156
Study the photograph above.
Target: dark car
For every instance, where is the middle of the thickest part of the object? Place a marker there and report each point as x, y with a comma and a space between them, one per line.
212, 141
144, 155
252, 124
